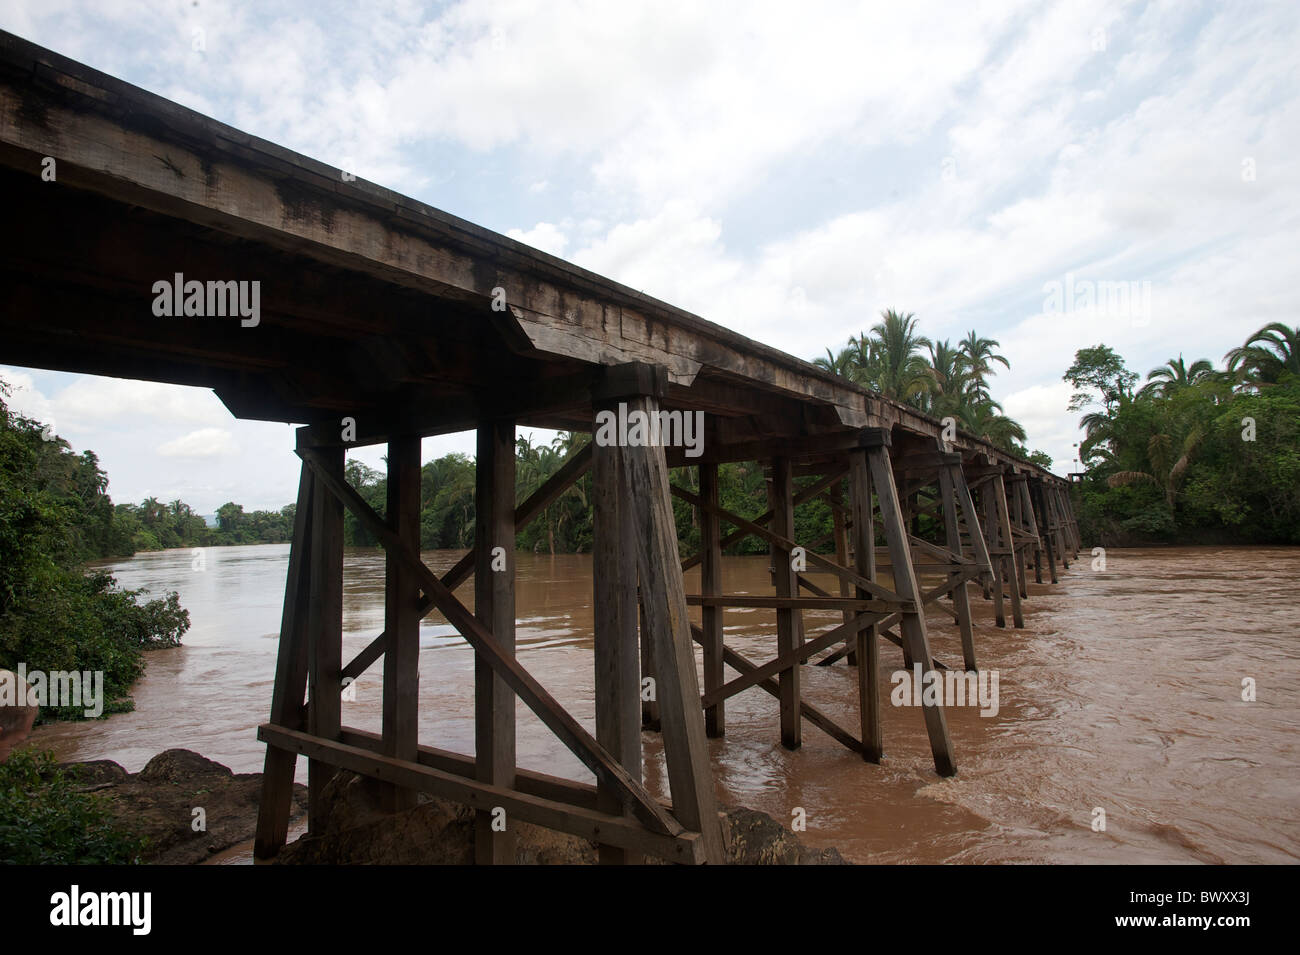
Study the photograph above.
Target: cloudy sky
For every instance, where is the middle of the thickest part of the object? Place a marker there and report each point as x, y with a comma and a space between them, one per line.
786, 170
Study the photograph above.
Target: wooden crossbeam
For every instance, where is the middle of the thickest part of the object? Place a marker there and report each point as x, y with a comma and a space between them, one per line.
798, 655
786, 544
806, 710
765, 518
570, 471
679, 846
791, 603
534, 695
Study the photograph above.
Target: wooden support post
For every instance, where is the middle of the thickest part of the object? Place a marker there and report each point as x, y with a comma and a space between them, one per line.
494, 606
617, 679
325, 632
913, 622
402, 618
960, 595
1058, 526
1018, 524
290, 680
841, 535
715, 718
990, 509
867, 642
998, 488
667, 619
1045, 524
1027, 509
787, 632
649, 702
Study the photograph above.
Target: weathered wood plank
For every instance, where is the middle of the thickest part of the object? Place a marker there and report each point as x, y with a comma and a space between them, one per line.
548, 710
290, 680
617, 665
325, 627
668, 622
715, 716
561, 816
494, 606
913, 623
402, 617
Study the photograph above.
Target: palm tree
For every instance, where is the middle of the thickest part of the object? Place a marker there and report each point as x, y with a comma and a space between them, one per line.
1167, 472
901, 372
948, 388
1268, 353
1174, 375
978, 358
841, 364
984, 419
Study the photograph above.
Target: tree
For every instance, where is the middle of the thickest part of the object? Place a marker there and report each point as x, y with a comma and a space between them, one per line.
1272, 351
900, 370
977, 357
950, 379
1100, 370
1174, 374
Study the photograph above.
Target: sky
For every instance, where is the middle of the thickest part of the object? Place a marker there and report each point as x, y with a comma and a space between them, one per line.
1052, 175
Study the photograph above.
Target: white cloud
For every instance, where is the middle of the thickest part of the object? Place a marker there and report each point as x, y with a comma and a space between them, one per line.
204, 443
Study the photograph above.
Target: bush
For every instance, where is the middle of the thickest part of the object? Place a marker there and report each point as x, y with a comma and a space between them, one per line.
45, 820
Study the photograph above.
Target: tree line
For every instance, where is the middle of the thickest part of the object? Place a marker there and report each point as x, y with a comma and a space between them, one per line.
55, 516
1194, 453
936, 377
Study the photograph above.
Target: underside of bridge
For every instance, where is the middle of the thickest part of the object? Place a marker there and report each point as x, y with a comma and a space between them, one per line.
381, 320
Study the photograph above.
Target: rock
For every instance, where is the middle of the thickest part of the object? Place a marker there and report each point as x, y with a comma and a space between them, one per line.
439, 832
159, 802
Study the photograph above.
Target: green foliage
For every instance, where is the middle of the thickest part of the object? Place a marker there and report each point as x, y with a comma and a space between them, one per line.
949, 382
1176, 461
45, 820
53, 516
1098, 369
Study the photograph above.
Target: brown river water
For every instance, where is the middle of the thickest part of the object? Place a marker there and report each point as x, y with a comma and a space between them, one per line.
1123, 692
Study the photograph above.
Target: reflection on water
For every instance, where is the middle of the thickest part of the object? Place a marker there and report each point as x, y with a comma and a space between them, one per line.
1123, 692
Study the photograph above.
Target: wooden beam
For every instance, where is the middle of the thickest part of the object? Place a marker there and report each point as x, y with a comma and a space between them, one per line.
786, 544
960, 594
809, 712
290, 680
402, 617
614, 606
590, 824
667, 620
715, 716
494, 606
790, 659
324, 627
913, 623
866, 642
548, 710
788, 615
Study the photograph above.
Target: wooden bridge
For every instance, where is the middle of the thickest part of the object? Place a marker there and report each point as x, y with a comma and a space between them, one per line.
410, 322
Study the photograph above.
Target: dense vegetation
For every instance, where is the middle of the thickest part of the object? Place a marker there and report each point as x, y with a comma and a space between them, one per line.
54, 515
45, 819
1196, 454
939, 378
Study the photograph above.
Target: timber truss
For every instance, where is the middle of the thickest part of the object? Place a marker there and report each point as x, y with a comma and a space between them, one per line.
989, 520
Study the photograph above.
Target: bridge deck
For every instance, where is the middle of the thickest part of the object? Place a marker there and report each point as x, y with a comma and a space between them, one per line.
371, 304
